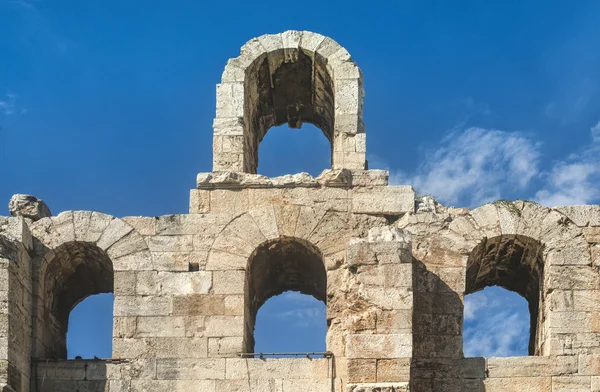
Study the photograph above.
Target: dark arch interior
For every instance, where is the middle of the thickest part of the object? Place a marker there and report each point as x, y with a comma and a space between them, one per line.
77, 271
286, 264
290, 87
514, 263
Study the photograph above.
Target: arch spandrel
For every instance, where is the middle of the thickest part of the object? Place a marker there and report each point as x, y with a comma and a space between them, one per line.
292, 77
329, 231
110, 234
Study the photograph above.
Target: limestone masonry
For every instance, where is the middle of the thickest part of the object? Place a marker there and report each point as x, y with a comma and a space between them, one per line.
393, 270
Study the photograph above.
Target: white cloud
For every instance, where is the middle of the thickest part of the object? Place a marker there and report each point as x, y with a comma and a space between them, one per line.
475, 166
7, 105
475, 107
574, 180
496, 324
596, 133
24, 3
473, 303
573, 99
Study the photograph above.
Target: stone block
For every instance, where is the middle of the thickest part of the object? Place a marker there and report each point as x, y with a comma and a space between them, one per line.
278, 368
362, 370
199, 201
521, 384
381, 387
228, 346
115, 230
167, 243
230, 100
182, 283
190, 369
176, 347
379, 346
143, 225
393, 370
228, 282
221, 326
571, 383
532, 366
582, 215
143, 306
160, 326
207, 305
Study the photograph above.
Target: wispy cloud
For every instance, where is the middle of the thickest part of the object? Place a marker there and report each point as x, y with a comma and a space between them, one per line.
28, 4
496, 324
574, 180
9, 107
474, 166
474, 107
596, 133
574, 99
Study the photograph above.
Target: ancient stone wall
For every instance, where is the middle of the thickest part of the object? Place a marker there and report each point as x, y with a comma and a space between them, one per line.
393, 270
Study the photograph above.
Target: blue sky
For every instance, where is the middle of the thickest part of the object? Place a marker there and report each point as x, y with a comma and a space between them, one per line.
108, 105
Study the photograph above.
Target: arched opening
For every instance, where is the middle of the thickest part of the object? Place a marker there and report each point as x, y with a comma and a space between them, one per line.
496, 324
292, 78
77, 271
90, 328
514, 263
291, 322
286, 264
287, 87
285, 150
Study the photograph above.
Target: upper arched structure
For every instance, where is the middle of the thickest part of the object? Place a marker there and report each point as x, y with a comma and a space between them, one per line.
292, 77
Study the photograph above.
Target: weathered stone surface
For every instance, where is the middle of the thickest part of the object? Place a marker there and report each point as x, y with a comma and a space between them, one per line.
392, 270
28, 206
383, 201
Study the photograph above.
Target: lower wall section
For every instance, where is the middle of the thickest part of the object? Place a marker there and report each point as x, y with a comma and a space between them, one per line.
576, 373
187, 375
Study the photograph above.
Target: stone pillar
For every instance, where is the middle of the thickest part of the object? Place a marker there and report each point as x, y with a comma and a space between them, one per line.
15, 312
379, 340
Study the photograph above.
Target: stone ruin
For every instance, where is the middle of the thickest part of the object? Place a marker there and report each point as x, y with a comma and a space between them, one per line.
393, 270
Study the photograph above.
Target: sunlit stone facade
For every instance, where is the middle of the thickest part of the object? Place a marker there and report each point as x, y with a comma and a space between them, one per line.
393, 270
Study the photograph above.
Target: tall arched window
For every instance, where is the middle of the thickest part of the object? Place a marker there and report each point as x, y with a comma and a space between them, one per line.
275, 267
90, 328
515, 264
77, 271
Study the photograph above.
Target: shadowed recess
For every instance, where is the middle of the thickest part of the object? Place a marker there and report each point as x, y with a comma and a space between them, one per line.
78, 270
287, 88
513, 262
285, 264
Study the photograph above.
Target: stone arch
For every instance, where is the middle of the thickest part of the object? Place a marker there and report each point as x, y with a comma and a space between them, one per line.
277, 266
320, 234
560, 245
328, 231
292, 77
515, 263
444, 240
76, 255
